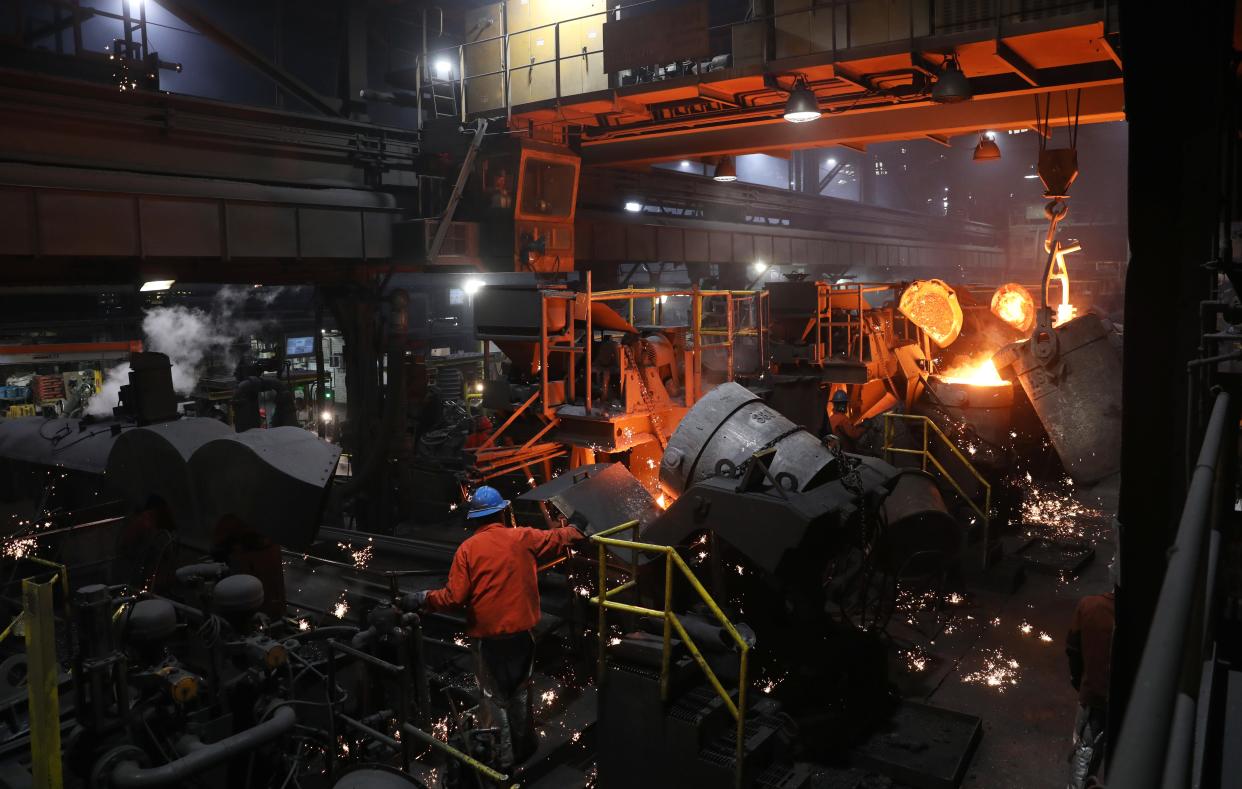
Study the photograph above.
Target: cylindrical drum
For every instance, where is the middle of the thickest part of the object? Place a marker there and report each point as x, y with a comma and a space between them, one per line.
731, 424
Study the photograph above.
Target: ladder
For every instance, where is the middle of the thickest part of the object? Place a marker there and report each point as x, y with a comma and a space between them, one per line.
442, 93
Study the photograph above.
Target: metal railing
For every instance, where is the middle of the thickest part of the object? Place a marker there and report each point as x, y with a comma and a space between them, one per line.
1158, 733
930, 428
408, 730
672, 559
745, 314
927, 19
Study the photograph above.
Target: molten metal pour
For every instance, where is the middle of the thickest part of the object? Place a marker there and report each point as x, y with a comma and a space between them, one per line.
974, 373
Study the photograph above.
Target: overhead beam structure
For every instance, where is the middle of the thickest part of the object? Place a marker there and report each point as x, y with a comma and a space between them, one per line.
1100, 103
203, 23
1019, 65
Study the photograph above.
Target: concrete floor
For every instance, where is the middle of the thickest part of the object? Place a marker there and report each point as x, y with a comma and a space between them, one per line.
1000, 655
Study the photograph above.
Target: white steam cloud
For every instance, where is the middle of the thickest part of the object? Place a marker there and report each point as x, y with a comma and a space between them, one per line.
189, 336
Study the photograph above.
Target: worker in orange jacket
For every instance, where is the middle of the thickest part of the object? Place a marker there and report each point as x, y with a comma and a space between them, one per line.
1089, 647
494, 578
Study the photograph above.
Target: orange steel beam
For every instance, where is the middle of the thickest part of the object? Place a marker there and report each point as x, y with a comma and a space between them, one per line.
1101, 102
130, 346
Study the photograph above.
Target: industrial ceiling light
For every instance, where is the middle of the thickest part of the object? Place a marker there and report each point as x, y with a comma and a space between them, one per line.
726, 169
633, 206
156, 284
951, 84
758, 267
987, 150
472, 286
444, 69
801, 106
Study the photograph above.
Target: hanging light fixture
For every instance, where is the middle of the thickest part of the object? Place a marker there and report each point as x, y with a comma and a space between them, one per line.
726, 169
987, 150
951, 84
801, 106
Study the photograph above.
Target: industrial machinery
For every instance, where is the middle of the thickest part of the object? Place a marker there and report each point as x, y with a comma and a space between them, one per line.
152, 553
1070, 366
595, 375
794, 540
847, 334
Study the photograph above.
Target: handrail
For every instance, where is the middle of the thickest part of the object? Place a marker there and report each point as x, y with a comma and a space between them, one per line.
672, 559
984, 22
1161, 714
926, 453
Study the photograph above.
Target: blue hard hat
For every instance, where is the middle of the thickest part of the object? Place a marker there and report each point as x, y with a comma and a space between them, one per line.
840, 396
486, 501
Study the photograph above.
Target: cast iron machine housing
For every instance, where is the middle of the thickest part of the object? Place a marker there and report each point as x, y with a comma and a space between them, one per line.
790, 535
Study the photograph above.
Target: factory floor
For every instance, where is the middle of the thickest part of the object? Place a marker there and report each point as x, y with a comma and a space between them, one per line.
999, 653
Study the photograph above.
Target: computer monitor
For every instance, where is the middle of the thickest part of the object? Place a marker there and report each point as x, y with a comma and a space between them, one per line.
299, 346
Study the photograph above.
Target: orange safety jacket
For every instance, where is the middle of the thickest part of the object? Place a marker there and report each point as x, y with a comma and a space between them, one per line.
494, 577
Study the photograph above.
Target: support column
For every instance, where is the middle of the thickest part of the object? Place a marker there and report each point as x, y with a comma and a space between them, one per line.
1173, 223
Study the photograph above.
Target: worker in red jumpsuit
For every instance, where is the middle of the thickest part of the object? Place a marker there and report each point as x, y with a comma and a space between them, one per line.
1089, 648
494, 579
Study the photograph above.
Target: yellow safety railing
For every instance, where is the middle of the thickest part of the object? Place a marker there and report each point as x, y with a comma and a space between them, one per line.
930, 428
672, 560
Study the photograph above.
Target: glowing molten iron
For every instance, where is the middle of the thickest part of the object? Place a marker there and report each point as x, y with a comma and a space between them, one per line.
932, 306
1065, 313
974, 373
1013, 304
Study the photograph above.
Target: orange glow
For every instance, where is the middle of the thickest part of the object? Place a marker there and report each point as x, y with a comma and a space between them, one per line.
1065, 313
1013, 304
974, 373
932, 306
662, 501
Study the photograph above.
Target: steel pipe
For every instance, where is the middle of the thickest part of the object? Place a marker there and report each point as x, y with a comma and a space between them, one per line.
130, 775
1142, 749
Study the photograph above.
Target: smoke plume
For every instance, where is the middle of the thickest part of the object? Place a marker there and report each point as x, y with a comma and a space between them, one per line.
190, 337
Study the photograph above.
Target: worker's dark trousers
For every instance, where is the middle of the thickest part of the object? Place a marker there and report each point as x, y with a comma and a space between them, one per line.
1088, 750
503, 666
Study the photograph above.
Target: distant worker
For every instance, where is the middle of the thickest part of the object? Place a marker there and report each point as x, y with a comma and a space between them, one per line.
840, 424
1089, 647
481, 428
494, 577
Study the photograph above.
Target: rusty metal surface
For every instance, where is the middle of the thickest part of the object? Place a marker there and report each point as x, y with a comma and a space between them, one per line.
613, 433
1076, 391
